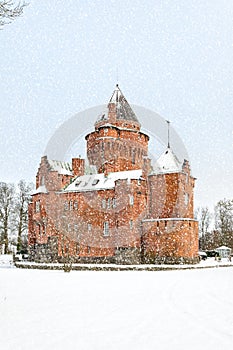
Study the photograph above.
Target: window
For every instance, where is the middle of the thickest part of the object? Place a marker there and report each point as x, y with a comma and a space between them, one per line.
75, 205
186, 199
114, 202
133, 156
37, 206
131, 200
75, 228
104, 203
131, 224
109, 203
71, 205
106, 228
89, 227
95, 182
39, 230
66, 205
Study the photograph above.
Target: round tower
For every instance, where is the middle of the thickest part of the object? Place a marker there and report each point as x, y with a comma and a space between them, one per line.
117, 144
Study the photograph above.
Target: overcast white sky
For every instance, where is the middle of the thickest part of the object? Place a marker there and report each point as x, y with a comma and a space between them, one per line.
173, 57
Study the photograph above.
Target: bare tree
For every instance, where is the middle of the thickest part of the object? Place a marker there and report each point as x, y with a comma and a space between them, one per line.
7, 193
21, 210
204, 217
224, 221
9, 11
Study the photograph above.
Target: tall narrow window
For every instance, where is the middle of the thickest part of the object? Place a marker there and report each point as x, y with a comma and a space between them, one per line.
75, 205
106, 228
133, 156
104, 203
37, 208
40, 230
66, 205
131, 224
186, 199
131, 200
114, 202
71, 205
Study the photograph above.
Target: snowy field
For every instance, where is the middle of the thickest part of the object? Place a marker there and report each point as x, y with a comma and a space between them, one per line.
190, 309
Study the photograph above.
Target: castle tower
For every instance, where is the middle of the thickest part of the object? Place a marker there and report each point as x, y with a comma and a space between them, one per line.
117, 144
170, 232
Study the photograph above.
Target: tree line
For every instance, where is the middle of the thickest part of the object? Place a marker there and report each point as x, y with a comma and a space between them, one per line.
14, 201
221, 232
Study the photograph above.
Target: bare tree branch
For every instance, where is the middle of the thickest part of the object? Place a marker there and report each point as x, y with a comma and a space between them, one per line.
9, 11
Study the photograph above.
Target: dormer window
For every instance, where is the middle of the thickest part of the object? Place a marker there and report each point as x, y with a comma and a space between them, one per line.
78, 183
95, 182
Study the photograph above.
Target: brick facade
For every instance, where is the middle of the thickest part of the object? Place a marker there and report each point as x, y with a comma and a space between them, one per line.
116, 208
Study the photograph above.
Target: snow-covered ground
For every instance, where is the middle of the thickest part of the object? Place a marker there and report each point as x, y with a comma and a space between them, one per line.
184, 309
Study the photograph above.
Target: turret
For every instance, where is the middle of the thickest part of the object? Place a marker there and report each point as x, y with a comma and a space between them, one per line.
117, 144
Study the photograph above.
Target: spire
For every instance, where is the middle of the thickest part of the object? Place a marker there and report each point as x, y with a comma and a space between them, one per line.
123, 109
116, 95
168, 133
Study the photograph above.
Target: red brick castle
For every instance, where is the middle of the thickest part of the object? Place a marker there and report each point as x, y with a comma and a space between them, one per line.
114, 207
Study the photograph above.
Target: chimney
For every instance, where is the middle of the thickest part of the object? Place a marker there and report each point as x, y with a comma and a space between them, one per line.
78, 166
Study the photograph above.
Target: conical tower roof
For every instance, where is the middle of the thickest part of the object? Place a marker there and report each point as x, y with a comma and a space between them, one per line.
123, 108
167, 162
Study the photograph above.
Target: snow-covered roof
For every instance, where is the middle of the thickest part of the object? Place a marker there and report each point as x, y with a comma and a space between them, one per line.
95, 182
167, 163
123, 109
63, 168
40, 189
223, 247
